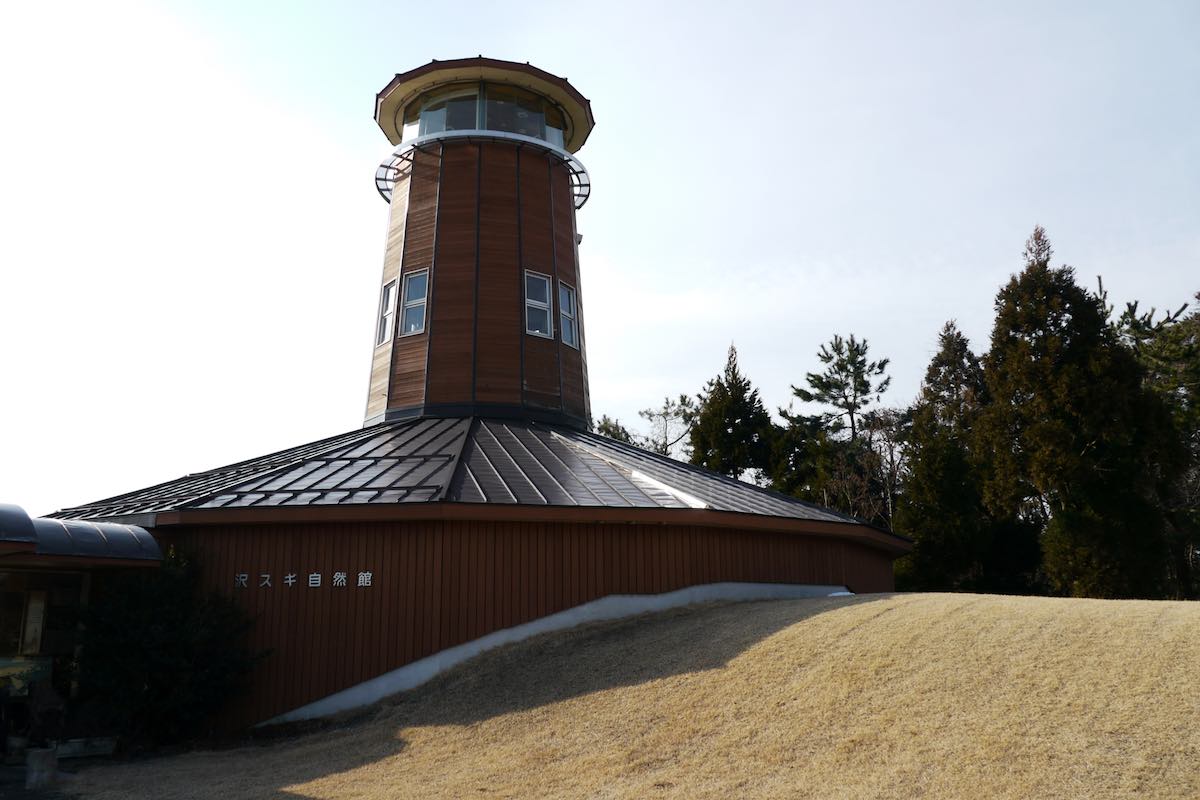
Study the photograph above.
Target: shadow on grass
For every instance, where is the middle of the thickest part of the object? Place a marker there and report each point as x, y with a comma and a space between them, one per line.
559, 666
526, 675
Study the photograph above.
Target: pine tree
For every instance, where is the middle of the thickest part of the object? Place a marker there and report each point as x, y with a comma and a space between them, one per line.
847, 382
670, 424
731, 431
1068, 434
613, 429
799, 456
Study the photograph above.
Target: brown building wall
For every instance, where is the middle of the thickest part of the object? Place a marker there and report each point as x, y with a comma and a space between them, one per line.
439, 583
477, 215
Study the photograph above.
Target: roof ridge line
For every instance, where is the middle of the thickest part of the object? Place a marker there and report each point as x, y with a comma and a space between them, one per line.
456, 461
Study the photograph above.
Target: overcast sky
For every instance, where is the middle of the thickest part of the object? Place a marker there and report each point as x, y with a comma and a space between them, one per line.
191, 240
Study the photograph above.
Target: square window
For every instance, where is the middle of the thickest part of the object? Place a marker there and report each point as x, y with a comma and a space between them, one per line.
538, 319
413, 320
416, 292
537, 289
415, 287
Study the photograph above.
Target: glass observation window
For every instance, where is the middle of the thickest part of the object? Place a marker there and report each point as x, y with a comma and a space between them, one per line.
485, 106
555, 125
537, 305
458, 112
514, 110
567, 315
416, 290
387, 313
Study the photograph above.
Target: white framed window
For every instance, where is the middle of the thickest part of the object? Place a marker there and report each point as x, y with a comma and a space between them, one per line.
416, 291
539, 320
568, 315
387, 313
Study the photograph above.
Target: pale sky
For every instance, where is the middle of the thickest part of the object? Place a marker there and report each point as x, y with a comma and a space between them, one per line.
191, 239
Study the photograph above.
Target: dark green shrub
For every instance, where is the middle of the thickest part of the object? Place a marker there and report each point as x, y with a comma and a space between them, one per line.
159, 657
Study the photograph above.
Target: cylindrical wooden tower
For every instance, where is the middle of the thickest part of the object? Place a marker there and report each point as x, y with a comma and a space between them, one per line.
480, 305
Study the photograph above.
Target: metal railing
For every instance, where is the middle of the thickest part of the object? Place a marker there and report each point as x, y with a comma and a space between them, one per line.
399, 163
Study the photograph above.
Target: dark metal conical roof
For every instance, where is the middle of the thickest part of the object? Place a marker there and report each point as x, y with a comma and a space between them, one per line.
459, 460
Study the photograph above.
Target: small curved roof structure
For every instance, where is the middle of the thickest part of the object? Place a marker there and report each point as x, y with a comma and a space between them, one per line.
408, 86
17, 534
27, 541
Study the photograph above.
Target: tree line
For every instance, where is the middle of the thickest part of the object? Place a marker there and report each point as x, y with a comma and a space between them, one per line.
1063, 460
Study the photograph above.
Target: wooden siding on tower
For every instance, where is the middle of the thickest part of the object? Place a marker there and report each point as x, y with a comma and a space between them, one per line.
393, 254
409, 354
437, 584
452, 314
540, 357
498, 337
478, 216
564, 229
570, 362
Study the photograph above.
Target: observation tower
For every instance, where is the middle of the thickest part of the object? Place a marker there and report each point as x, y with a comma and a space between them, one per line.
480, 303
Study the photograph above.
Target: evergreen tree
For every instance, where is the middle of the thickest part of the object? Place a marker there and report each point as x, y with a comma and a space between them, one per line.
1069, 435
731, 431
856, 473
860, 477
1169, 351
799, 456
847, 382
958, 545
953, 389
613, 429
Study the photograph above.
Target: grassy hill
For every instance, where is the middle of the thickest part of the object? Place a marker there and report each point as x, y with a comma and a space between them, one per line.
875, 696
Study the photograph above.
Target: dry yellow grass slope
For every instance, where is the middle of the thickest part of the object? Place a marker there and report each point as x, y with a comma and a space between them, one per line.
885, 696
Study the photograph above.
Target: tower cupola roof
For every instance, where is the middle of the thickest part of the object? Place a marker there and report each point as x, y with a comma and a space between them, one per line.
393, 103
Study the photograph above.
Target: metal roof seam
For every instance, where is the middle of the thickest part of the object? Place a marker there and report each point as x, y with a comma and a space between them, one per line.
567, 469
409, 433
485, 427
500, 478
537, 461
611, 463
266, 468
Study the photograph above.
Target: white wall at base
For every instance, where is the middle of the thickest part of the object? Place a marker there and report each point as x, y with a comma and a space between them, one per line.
613, 606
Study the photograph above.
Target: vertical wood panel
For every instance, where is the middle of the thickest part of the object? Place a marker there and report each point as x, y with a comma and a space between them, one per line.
540, 359
498, 342
377, 394
440, 584
452, 307
571, 367
409, 353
